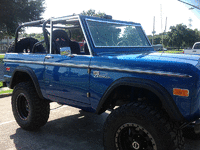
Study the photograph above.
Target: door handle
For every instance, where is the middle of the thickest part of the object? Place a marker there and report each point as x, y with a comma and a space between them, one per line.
48, 57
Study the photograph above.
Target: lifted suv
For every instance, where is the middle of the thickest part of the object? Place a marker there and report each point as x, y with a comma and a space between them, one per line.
152, 96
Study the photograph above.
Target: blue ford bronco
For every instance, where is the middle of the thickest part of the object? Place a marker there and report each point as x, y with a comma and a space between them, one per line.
98, 64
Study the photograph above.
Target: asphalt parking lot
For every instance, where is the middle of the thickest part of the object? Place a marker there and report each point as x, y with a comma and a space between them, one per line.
68, 128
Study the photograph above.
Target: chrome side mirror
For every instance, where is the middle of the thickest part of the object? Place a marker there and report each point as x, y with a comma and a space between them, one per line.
65, 51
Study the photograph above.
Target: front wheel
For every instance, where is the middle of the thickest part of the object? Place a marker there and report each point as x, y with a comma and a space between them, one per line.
29, 110
137, 126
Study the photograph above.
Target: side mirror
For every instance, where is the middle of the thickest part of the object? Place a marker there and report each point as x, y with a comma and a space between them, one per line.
65, 51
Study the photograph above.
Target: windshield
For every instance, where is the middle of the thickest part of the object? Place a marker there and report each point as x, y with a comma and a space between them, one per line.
107, 34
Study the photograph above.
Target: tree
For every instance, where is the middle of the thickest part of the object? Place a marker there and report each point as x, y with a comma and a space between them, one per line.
14, 12
77, 33
157, 39
181, 36
178, 36
92, 12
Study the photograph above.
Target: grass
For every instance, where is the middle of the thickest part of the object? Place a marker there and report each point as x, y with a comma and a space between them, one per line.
172, 51
5, 92
1, 56
1, 84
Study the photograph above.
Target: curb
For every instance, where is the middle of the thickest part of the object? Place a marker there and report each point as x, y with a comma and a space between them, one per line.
5, 95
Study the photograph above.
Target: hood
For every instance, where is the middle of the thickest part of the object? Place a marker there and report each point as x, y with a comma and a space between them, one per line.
162, 57
177, 63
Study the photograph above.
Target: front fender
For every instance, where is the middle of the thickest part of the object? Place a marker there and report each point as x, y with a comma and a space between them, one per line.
164, 96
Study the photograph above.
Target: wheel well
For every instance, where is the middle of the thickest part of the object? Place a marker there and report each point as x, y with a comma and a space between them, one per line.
125, 94
20, 77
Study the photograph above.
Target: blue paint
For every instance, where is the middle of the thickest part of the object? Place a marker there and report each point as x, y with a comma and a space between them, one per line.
68, 80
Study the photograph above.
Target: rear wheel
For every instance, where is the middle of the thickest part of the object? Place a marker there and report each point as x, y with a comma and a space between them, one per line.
137, 126
29, 110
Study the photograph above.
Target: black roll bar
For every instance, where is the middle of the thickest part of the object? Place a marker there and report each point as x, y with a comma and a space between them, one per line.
32, 23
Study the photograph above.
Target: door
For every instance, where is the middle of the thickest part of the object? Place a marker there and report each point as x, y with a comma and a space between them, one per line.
67, 78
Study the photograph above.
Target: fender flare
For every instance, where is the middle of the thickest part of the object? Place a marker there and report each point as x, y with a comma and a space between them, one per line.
166, 99
33, 77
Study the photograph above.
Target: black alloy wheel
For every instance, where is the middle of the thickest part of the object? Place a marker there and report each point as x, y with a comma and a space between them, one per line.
22, 106
139, 126
131, 136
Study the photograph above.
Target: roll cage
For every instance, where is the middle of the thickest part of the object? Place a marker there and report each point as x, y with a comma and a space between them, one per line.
65, 23
73, 22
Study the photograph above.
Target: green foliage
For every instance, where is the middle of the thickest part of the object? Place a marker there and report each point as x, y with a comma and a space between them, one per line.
15, 12
178, 36
156, 40
77, 35
92, 12
181, 36
6, 92
38, 36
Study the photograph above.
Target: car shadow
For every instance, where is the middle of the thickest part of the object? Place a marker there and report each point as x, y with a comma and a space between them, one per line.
83, 131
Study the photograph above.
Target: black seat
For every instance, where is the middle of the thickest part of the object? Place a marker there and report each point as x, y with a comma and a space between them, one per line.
61, 39
86, 49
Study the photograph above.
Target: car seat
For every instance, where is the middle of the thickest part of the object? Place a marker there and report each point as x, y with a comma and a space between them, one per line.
61, 39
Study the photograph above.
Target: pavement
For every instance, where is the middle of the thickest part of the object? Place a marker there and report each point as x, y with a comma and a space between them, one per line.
68, 128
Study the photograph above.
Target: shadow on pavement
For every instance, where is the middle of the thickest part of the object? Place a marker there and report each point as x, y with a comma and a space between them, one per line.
83, 131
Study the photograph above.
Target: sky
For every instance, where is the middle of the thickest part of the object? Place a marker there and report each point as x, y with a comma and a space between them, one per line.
140, 11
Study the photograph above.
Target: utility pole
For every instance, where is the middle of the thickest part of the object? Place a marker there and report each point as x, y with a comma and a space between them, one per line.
161, 25
190, 22
165, 26
153, 30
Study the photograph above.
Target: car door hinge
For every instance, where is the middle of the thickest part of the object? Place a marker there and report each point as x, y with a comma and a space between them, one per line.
89, 71
88, 94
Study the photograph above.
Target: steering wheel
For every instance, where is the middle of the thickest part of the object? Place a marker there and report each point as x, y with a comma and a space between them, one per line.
123, 43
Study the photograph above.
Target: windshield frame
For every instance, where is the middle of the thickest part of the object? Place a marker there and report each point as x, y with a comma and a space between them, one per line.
117, 23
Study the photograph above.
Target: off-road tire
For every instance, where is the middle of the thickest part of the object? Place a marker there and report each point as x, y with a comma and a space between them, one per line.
29, 110
139, 126
25, 45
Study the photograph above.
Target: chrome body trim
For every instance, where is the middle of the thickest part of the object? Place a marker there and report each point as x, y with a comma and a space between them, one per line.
80, 21
126, 23
65, 18
160, 73
67, 65
23, 61
51, 28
